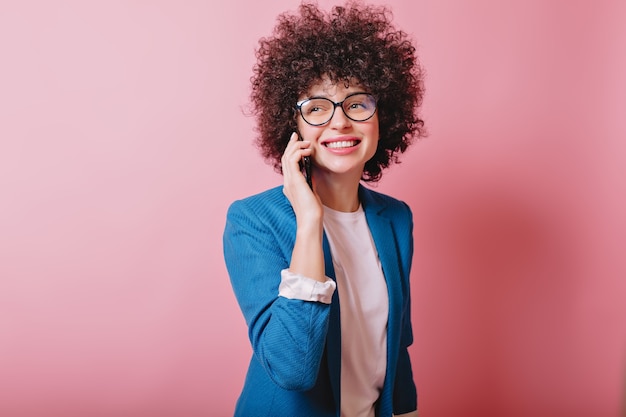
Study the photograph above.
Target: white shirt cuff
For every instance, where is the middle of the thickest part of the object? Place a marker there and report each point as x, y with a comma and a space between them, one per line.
299, 287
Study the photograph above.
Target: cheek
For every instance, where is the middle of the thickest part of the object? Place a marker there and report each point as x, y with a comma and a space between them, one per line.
305, 130
374, 127
374, 131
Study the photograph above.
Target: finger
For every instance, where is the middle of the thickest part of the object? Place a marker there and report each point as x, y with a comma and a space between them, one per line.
296, 150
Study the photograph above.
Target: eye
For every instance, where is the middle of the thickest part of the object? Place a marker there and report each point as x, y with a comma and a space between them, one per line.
316, 106
359, 102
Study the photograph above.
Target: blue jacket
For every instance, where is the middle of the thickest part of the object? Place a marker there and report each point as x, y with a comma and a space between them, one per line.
295, 367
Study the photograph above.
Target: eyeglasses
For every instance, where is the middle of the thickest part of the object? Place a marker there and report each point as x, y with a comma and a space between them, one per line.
317, 111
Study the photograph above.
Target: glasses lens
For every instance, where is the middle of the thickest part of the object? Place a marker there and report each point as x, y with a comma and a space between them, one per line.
359, 107
317, 111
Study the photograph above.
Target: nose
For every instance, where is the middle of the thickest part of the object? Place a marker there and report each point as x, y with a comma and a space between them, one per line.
339, 119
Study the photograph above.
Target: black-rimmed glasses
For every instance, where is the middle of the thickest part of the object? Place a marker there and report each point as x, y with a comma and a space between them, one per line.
317, 111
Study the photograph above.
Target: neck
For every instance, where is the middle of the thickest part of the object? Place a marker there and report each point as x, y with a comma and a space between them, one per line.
339, 193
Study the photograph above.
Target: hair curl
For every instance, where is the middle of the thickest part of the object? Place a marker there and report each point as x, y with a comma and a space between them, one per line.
353, 41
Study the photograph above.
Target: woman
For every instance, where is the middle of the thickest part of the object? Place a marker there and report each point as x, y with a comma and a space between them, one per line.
321, 271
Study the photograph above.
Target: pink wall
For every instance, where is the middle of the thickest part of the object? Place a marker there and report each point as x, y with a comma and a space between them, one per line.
122, 142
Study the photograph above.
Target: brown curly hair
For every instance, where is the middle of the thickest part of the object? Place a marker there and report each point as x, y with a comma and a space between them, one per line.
354, 41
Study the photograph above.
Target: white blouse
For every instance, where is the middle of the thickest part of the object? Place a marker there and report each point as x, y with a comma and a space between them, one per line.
364, 308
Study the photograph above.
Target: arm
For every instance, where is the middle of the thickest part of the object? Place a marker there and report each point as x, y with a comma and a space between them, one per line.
405, 393
307, 258
287, 335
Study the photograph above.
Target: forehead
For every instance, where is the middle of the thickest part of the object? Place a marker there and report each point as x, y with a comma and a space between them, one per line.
325, 87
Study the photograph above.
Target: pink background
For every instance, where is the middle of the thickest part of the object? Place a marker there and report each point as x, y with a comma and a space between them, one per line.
122, 142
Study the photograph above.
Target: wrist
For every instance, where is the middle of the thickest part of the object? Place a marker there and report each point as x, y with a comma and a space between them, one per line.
311, 226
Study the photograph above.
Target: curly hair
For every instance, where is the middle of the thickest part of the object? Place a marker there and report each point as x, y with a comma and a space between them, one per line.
351, 42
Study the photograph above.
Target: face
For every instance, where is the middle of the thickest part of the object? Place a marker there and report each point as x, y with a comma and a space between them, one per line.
341, 146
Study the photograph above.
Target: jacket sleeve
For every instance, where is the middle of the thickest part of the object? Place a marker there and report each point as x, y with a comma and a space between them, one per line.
405, 392
287, 335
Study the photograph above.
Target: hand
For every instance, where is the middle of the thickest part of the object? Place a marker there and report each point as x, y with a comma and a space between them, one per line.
306, 204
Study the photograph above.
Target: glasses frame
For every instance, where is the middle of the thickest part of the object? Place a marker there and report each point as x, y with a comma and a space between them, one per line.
336, 104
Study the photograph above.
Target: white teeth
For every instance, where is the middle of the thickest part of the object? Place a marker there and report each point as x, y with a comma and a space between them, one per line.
341, 144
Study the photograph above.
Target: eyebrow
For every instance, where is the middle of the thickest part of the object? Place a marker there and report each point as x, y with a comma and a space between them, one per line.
328, 98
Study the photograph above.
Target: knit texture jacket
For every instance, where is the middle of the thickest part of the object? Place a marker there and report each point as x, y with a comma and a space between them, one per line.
295, 367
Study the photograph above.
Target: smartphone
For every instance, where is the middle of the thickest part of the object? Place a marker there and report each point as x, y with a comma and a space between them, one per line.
305, 166
306, 161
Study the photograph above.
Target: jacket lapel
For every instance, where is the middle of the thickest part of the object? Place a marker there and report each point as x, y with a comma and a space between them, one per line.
333, 339
386, 244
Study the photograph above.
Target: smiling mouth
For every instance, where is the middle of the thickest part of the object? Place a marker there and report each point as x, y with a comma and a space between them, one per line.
342, 144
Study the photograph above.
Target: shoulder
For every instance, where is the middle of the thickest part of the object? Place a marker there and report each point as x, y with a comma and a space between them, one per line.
268, 198
270, 205
383, 203
263, 224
